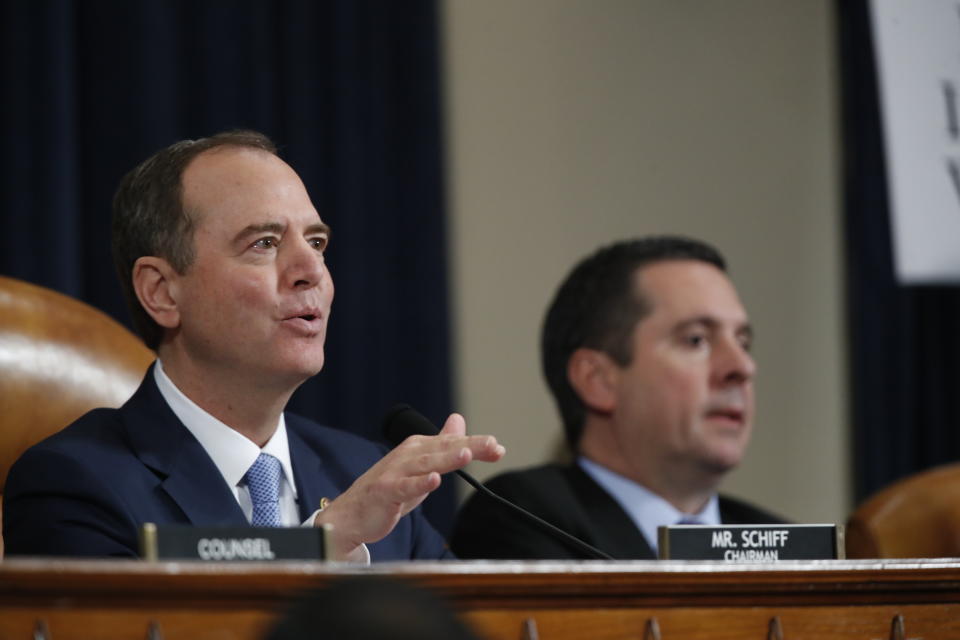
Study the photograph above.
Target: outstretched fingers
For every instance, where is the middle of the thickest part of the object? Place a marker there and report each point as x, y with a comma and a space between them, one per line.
412, 490
483, 448
455, 425
370, 508
445, 453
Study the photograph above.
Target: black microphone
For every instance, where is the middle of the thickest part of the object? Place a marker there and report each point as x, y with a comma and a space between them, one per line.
403, 421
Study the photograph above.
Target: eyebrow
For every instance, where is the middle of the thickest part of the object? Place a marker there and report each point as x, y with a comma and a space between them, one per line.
745, 329
320, 227
277, 228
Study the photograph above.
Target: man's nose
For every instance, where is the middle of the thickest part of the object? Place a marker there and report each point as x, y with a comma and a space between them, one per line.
733, 363
306, 266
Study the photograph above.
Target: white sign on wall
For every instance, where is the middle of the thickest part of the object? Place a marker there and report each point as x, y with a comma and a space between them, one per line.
917, 46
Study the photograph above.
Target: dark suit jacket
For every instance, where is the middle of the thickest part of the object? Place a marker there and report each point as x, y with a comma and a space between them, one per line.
566, 497
86, 490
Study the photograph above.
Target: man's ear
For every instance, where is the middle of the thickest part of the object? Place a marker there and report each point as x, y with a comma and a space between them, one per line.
154, 281
593, 375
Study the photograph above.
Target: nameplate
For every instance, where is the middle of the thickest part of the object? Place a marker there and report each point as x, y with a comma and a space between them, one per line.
752, 543
230, 544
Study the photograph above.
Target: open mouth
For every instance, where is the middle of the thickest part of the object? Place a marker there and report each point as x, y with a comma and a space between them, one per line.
305, 323
734, 415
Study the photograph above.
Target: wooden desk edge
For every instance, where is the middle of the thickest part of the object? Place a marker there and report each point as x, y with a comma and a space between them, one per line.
504, 584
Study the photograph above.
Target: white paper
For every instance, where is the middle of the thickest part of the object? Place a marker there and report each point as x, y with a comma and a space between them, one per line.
918, 54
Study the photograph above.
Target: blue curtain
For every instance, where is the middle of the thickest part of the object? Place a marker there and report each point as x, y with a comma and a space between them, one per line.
904, 341
348, 89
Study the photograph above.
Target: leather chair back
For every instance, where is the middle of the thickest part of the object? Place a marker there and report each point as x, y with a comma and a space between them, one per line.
916, 517
59, 358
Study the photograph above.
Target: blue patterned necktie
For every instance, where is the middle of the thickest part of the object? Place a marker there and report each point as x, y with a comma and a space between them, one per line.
263, 480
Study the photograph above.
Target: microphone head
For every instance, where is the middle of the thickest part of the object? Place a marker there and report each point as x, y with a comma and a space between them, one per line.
403, 421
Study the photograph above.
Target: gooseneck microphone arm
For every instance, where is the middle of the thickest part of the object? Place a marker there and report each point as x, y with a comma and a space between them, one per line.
581, 546
403, 421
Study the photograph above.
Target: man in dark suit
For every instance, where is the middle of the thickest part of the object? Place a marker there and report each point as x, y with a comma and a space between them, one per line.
221, 256
646, 349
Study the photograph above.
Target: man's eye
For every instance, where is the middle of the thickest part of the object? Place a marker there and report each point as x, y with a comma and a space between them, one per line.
266, 243
695, 340
319, 243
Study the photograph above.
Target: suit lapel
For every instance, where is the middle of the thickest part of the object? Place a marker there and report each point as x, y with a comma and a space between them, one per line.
187, 474
611, 528
312, 483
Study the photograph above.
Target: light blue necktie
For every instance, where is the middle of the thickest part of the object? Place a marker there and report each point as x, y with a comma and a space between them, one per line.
263, 480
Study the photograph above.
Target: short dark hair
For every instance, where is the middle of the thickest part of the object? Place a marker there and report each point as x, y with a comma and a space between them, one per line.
596, 307
149, 218
370, 607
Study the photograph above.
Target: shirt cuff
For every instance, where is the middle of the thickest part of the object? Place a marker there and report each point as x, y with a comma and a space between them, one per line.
360, 555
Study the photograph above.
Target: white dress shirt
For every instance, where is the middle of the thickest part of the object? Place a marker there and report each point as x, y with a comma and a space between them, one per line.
647, 510
231, 452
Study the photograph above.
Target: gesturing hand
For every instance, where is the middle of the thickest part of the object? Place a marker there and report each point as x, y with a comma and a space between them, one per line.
401, 480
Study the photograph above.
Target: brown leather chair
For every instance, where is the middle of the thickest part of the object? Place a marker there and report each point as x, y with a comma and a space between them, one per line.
59, 358
917, 517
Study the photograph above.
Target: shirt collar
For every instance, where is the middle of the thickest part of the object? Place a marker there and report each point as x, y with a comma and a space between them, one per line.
647, 510
231, 452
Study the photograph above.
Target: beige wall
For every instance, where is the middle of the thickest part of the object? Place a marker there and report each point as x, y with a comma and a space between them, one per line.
575, 122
